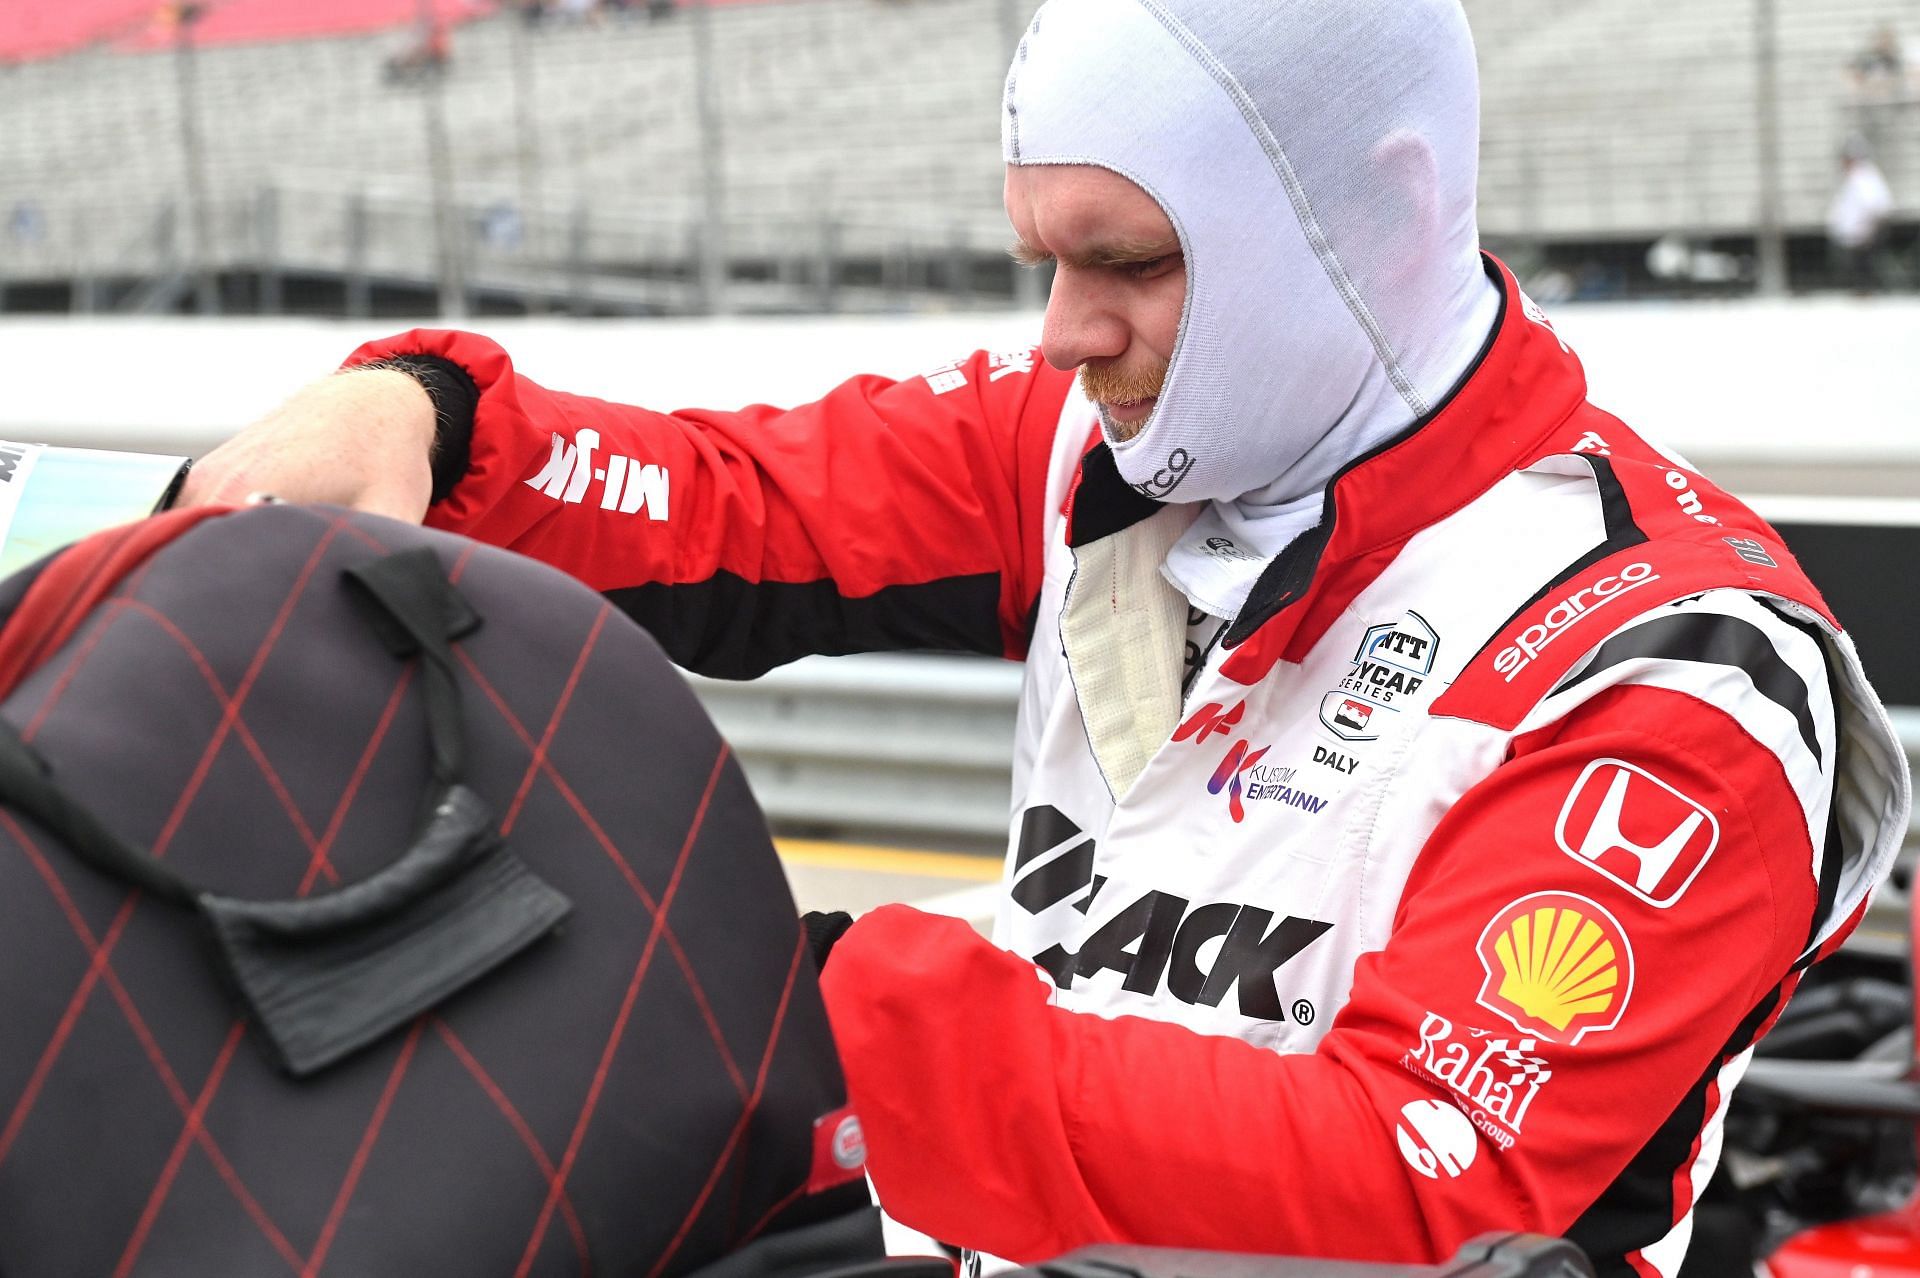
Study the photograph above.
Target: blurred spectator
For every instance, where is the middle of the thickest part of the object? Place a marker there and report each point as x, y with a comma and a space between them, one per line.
427, 57
1673, 259
26, 223
1880, 71
1857, 219
174, 18
502, 228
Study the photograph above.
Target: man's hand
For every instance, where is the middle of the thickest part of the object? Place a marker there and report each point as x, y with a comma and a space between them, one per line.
361, 438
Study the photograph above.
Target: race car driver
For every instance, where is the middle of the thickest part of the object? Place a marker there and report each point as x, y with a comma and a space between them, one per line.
1426, 790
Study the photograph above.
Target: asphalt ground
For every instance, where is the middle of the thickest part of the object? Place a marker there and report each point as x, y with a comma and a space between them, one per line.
856, 877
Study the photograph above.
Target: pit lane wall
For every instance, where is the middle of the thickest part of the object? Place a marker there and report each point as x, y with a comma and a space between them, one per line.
1825, 381
1809, 407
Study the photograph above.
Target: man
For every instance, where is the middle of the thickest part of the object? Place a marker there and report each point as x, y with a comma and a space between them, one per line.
1857, 218
1425, 790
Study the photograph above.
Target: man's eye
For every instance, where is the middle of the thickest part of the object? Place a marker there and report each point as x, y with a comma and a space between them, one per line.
1151, 267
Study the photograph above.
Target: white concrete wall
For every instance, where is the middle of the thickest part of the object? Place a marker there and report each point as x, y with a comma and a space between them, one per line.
1827, 380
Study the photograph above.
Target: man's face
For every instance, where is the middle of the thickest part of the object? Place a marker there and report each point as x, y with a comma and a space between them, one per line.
1119, 285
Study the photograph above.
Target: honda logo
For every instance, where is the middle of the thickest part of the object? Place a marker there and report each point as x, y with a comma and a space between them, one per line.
1637, 830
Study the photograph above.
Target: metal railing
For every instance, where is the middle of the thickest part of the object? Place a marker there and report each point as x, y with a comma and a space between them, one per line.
912, 746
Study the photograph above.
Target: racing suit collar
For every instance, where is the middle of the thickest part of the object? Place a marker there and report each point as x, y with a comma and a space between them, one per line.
1525, 384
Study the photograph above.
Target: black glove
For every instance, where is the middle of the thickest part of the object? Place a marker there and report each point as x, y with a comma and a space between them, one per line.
822, 931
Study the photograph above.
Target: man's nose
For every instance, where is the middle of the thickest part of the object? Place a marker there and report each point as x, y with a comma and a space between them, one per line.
1081, 325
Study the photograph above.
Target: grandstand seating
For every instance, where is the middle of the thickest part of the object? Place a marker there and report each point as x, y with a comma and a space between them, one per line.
1603, 119
1636, 117
880, 114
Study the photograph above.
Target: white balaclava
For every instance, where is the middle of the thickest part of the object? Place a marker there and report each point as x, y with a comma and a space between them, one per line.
1318, 160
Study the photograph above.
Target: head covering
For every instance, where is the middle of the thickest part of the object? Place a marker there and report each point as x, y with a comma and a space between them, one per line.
1318, 160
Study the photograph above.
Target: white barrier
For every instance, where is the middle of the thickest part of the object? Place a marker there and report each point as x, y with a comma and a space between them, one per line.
1813, 380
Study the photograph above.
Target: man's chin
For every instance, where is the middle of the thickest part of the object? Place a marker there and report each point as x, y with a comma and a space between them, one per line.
1124, 421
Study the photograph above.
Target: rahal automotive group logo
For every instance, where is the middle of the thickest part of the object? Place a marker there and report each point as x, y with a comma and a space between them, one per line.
1493, 1078
1558, 967
1394, 661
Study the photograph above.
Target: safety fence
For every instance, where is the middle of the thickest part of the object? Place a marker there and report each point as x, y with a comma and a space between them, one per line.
919, 749
909, 746
898, 747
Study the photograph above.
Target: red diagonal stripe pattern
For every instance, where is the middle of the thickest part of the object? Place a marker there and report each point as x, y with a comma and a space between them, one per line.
145, 1037
360, 1155
525, 1133
196, 1120
659, 925
606, 846
746, 1112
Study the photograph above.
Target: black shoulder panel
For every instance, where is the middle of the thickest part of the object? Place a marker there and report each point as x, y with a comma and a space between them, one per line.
1714, 639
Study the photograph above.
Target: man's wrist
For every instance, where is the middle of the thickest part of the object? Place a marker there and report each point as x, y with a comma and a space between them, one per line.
455, 398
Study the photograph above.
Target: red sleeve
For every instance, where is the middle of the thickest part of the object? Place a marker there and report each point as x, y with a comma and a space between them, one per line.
885, 515
1590, 1038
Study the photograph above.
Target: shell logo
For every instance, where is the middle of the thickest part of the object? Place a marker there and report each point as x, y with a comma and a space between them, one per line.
1557, 965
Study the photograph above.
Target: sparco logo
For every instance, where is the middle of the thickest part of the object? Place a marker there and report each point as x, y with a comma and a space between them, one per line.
1167, 478
626, 485
1534, 640
1494, 1079
1157, 943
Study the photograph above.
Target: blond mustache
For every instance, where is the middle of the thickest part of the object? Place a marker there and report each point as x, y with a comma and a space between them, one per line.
1109, 385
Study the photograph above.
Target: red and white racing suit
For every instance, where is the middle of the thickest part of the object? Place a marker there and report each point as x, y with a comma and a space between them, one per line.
1449, 895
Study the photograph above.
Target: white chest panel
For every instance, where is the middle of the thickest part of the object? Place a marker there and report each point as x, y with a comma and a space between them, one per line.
1263, 846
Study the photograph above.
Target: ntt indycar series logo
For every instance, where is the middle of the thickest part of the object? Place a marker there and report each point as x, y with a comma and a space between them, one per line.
1392, 664
1536, 638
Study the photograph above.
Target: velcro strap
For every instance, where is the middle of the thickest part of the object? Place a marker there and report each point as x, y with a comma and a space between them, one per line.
325, 977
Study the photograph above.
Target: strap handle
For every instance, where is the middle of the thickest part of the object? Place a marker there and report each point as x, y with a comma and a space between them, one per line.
416, 612
326, 976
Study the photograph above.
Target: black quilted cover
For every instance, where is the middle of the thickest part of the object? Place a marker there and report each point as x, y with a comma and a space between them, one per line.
635, 1094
